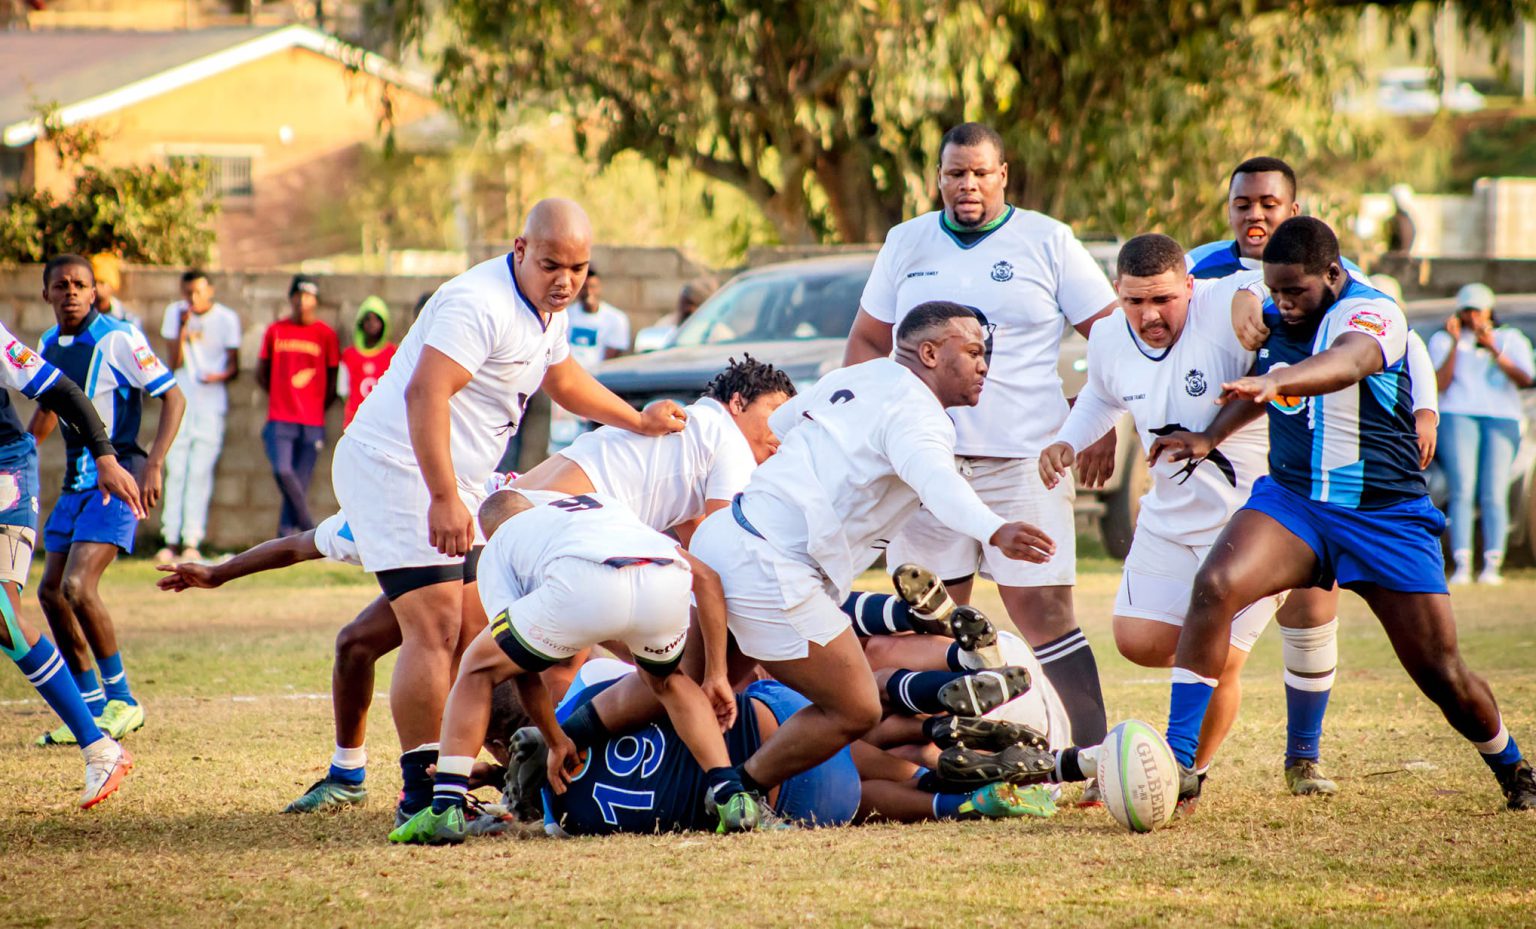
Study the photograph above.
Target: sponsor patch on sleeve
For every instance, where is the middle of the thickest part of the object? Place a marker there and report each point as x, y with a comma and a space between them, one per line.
20, 356
1369, 321
146, 358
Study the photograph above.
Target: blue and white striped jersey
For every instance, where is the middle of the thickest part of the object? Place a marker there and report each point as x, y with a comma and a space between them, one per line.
1220, 259
21, 369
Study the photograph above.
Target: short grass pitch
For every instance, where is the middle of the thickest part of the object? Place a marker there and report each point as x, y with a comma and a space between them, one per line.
235, 683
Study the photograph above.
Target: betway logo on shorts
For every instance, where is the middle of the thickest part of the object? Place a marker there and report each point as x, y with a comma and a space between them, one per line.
669, 647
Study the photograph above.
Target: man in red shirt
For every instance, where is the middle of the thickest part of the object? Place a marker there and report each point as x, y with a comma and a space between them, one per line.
299, 357
368, 357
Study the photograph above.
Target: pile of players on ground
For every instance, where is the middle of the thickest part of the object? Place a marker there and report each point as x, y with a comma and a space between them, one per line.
1279, 397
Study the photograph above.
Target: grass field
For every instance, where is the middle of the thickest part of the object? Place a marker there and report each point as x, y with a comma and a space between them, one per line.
233, 682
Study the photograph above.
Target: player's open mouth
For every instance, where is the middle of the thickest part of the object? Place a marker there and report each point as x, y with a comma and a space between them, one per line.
1256, 234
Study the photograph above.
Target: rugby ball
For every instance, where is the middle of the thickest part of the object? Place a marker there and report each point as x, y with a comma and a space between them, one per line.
1138, 776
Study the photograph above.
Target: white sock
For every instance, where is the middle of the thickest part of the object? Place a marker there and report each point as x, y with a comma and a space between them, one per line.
350, 758
1493, 561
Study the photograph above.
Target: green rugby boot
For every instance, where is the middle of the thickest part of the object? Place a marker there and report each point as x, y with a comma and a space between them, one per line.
738, 814
429, 828
328, 794
121, 718
1005, 801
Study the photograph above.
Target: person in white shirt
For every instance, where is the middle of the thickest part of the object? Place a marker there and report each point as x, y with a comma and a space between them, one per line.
1163, 357
1481, 368
1029, 277
411, 468
860, 451
202, 346
598, 331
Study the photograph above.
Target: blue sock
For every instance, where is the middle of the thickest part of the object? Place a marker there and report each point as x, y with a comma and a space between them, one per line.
115, 679
952, 657
1187, 702
1306, 701
878, 614
723, 783
348, 775
948, 806
452, 784
45, 670
918, 691
90, 691
416, 790
1500, 753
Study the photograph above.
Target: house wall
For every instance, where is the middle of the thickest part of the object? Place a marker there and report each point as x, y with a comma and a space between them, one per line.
302, 117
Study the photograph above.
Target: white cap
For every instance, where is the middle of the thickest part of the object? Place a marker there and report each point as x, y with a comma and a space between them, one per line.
1475, 297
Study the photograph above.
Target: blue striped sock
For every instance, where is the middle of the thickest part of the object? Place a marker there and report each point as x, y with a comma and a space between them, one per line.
416, 783
1500, 752
115, 679
918, 691
90, 691
452, 783
878, 614
1190, 696
45, 670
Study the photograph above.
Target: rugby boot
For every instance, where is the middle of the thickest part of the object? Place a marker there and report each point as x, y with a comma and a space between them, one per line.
924, 594
106, 764
740, 812
328, 794
977, 638
1006, 801
1185, 807
485, 819
1304, 778
527, 772
984, 691
429, 828
1015, 764
121, 718
1519, 786
989, 735
61, 736
1092, 795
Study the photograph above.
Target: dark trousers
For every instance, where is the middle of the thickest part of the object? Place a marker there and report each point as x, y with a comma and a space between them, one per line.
293, 450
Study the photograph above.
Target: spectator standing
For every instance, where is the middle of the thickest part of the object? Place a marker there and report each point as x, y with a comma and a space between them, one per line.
202, 345
599, 331
692, 296
299, 360
1480, 367
109, 280
367, 358
1400, 228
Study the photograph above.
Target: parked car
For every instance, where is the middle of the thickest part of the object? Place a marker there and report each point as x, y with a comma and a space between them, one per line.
1518, 310
796, 316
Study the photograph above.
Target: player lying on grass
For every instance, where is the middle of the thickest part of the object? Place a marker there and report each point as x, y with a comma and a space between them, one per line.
23, 370
1345, 500
559, 575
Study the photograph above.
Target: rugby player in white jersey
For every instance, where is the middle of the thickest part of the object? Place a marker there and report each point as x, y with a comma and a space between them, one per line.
411, 468
1163, 357
1262, 194
860, 451
1028, 276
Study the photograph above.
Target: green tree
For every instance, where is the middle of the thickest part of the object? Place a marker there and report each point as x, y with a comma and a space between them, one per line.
1118, 114
145, 214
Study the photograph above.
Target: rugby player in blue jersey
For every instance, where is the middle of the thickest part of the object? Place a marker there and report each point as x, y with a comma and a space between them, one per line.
1345, 500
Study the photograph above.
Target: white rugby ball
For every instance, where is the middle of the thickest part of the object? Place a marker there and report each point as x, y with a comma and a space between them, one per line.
1138, 776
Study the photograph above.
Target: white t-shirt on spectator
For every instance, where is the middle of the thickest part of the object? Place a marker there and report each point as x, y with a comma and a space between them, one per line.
210, 338
1030, 277
1478, 387
594, 334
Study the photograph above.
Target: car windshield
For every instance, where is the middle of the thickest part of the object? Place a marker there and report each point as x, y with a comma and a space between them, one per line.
778, 307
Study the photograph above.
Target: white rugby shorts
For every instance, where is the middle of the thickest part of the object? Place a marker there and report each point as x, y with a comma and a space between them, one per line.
385, 502
1157, 581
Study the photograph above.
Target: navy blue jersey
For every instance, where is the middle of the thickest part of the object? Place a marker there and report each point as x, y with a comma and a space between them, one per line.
115, 367
1357, 447
1220, 259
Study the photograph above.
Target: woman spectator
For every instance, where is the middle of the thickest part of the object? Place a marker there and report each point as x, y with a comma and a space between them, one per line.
1480, 367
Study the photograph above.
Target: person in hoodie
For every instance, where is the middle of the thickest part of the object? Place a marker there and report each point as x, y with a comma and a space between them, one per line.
367, 358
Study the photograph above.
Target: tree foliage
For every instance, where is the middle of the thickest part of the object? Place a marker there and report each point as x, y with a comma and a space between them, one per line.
145, 214
1118, 114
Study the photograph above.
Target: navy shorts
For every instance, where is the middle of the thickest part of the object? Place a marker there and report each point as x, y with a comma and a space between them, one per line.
1395, 547
826, 795
18, 484
80, 516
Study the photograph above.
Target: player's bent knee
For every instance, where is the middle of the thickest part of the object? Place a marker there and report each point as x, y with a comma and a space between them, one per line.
1146, 642
78, 589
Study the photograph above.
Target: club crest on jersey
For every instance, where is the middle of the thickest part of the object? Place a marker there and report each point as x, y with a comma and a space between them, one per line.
19, 355
1286, 404
1368, 321
1194, 383
1002, 271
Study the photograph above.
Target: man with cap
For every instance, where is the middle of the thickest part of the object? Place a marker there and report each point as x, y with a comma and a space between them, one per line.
367, 358
1480, 367
298, 364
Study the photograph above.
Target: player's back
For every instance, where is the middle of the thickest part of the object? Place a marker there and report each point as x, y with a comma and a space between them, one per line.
666, 479
831, 491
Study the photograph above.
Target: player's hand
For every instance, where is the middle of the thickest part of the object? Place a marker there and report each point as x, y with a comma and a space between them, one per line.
1023, 542
721, 699
1258, 389
1096, 463
1248, 320
1055, 461
661, 418
187, 575
1453, 326
1426, 427
450, 526
154, 483
1180, 446
563, 759
1485, 339
113, 480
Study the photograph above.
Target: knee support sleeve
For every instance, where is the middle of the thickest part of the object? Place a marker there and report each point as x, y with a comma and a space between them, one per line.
1311, 655
16, 543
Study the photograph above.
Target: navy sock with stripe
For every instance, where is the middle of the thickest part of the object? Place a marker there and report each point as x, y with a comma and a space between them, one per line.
918, 691
1069, 665
878, 614
115, 679
90, 691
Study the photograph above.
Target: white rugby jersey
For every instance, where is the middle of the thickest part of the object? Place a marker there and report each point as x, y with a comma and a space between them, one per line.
484, 323
333, 537
592, 527
860, 450
666, 479
1029, 277
1172, 389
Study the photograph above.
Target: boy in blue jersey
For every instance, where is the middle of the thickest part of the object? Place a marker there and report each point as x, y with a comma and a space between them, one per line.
115, 367
1345, 501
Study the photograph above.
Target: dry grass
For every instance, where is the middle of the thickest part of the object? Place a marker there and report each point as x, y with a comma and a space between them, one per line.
1416, 837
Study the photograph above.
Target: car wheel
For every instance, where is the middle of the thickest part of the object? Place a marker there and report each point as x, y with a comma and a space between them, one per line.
1118, 524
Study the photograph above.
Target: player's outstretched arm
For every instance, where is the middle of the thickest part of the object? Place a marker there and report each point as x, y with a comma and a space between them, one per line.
1056, 462
1353, 357
709, 598
268, 556
563, 754
576, 390
1182, 446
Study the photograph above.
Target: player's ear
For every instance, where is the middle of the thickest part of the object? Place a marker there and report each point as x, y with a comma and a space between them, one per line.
738, 405
520, 247
1189, 284
1003, 173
